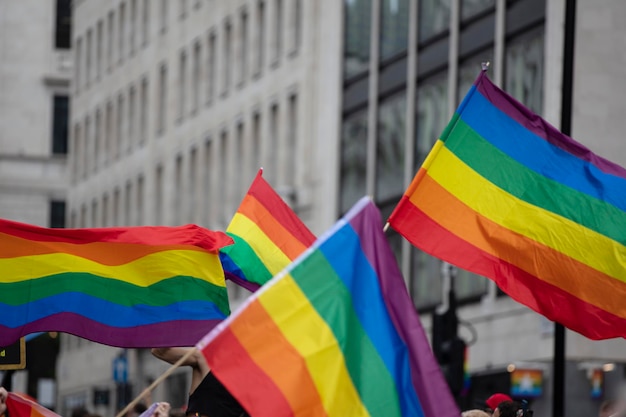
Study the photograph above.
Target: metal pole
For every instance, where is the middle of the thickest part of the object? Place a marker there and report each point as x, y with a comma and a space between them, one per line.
558, 399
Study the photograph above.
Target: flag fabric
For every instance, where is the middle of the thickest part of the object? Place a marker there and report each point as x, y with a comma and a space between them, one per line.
19, 405
334, 334
144, 286
268, 236
506, 195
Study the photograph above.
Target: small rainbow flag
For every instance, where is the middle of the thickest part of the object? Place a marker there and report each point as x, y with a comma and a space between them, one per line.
268, 235
128, 287
334, 334
526, 383
506, 195
20, 406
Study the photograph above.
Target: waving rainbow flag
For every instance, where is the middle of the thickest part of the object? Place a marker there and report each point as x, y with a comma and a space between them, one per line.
127, 287
19, 405
334, 334
506, 195
268, 235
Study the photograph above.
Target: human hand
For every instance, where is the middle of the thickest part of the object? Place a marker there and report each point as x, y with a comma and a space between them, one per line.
162, 410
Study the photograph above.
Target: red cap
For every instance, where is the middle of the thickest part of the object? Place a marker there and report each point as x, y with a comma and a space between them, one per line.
494, 401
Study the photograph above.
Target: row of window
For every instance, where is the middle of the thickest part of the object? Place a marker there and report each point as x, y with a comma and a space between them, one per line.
111, 130
209, 179
238, 43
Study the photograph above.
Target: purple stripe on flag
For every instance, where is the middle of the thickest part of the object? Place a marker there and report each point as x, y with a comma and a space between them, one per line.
185, 332
428, 381
540, 127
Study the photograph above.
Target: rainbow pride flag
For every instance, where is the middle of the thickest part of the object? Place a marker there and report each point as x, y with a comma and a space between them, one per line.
268, 235
128, 287
20, 406
506, 195
334, 334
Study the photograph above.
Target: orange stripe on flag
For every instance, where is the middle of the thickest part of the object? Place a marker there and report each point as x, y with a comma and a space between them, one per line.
444, 208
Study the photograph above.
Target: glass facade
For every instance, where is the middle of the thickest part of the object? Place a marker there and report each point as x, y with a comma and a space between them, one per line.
376, 164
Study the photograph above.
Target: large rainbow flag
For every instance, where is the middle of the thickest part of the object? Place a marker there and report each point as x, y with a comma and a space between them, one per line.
334, 334
128, 287
268, 235
506, 195
19, 405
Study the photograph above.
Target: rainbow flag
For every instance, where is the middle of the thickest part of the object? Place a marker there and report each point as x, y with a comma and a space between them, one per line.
506, 195
334, 334
268, 235
128, 287
20, 406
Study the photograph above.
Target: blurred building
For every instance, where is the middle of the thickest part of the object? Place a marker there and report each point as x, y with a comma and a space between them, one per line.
35, 72
177, 103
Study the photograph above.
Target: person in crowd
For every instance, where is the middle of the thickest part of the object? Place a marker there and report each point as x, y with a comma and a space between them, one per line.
207, 396
507, 409
474, 413
3, 401
494, 400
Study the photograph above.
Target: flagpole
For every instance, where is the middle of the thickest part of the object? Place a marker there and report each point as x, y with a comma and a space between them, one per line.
558, 397
157, 381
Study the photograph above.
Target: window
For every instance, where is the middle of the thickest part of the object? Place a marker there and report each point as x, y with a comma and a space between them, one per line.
292, 139
183, 8
255, 147
353, 159
358, 17
297, 25
158, 195
57, 214
132, 26
222, 167
178, 191
143, 109
97, 139
426, 283
162, 110
469, 70
260, 38
227, 57
110, 41
139, 220
434, 18
182, 85
108, 133
115, 214
88, 52
209, 189
87, 144
60, 115
164, 4
120, 125
192, 191
195, 82
211, 66
77, 151
94, 213
78, 56
105, 211
121, 36
524, 69
390, 148
278, 30
99, 40
238, 173
394, 27
132, 102
272, 143
145, 25
432, 114
128, 205
63, 24
243, 50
